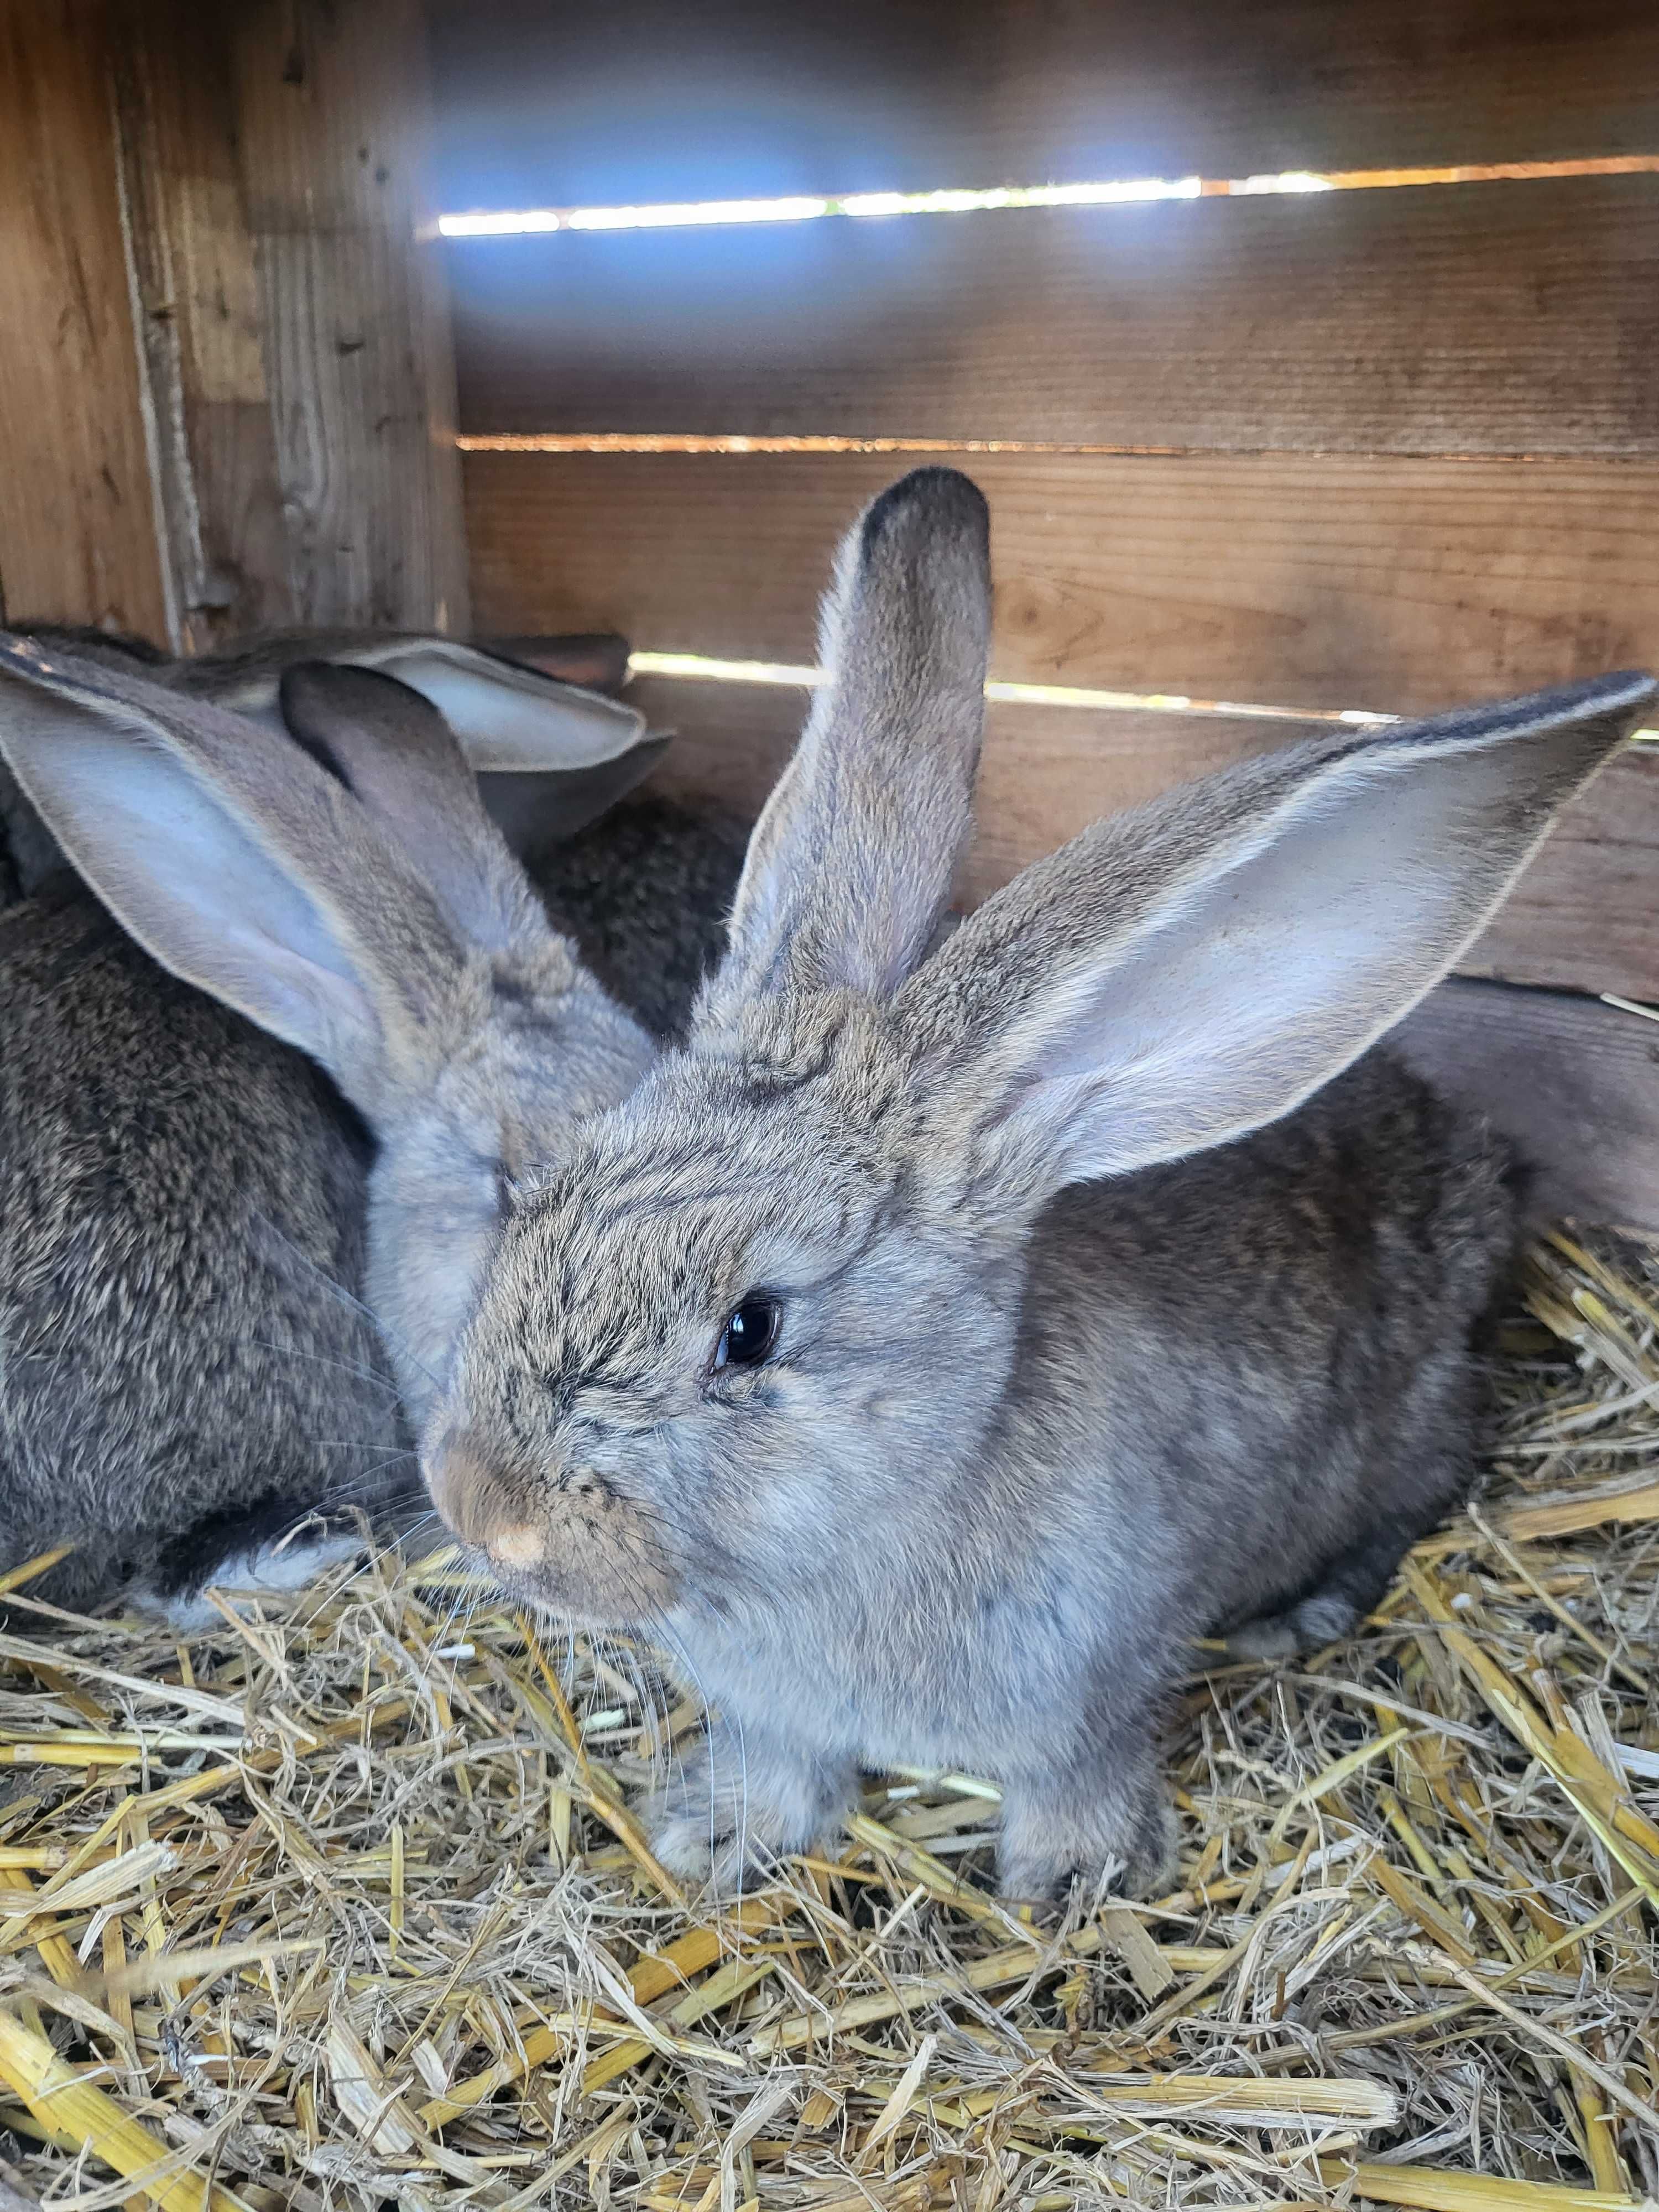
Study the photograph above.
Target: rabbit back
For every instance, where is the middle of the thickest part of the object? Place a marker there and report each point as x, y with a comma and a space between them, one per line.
1276, 1345
181, 1236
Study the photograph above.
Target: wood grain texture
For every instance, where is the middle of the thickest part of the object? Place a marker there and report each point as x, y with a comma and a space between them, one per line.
1582, 918
641, 99
1498, 317
332, 101
78, 533
199, 312
1283, 580
1574, 1084
1585, 916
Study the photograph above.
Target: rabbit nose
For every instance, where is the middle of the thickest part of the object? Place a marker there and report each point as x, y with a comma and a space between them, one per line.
476, 1504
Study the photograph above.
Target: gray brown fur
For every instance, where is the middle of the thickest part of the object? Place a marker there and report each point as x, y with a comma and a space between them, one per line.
182, 1220
189, 1364
1027, 1431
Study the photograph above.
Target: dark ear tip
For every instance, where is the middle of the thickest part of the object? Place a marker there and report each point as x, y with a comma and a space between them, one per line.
937, 501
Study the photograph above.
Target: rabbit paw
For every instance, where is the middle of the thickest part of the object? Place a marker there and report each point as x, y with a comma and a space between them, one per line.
1115, 1838
743, 1803
1326, 1618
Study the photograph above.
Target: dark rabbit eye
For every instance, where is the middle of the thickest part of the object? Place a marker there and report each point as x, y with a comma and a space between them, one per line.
750, 1333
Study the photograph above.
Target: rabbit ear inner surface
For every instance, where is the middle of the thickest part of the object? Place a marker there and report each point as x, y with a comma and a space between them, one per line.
850, 864
238, 863
1180, 974
506, 716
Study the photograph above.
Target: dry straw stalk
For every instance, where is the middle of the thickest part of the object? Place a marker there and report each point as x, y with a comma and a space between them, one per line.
347, 1904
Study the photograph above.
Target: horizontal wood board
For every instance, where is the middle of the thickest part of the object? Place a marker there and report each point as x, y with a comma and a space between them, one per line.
1395, 585
1582, 918
1493, 317
643, 100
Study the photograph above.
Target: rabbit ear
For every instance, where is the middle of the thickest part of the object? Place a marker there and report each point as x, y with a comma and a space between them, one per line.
394, 751
241, 864
505, 717
850, 865
556, 756
535, 811
1179, 974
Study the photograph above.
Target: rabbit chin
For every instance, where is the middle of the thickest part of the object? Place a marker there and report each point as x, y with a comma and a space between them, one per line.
577, 1601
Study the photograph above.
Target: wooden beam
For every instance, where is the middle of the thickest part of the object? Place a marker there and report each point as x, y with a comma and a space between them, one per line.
644, 100
333, 109
78, 531
199, 323
1282, 580
1491, 318
226, 385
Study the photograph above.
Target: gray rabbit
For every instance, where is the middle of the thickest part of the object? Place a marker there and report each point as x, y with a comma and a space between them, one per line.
198, 1233
935, 1345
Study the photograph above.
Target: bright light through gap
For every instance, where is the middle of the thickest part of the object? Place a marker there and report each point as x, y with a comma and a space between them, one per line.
702, 668
1117, 191
867, 206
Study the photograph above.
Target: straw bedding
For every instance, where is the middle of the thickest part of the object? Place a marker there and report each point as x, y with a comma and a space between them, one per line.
343, 1904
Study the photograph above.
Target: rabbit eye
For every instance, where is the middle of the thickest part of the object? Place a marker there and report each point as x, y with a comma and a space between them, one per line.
750, 1332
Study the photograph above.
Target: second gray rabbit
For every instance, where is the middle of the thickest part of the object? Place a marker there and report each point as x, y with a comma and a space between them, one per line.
186, 1271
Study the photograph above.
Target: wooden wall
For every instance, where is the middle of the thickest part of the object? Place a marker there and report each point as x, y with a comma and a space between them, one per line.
227, 390
1386, 449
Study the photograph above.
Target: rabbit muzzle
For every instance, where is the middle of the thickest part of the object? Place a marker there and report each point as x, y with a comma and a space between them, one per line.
562, 1537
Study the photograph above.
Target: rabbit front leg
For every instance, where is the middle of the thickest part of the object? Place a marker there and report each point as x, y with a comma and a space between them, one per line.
1104, 1819
742, 1798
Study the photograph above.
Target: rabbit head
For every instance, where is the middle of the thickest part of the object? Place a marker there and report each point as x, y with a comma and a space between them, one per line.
367, 911
751, 1336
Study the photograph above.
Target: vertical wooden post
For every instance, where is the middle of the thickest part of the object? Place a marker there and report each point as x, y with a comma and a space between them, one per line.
77, 515
226, 392
197, 300
333, 109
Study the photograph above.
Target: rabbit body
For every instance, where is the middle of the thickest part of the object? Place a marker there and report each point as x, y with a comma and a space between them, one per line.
976, 1519
189, 1367
181, 1239
942, 1339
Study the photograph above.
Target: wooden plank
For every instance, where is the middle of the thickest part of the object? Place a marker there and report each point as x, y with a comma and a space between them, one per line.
1498, 317
78, 535
1299, 581
1584, 917
199, 323
642, 99
1045, 772
333, 121
1575, 1084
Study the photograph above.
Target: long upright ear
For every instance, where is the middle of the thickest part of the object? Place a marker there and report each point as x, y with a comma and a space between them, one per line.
1182, 974
394, 750
239, 863
849, 866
